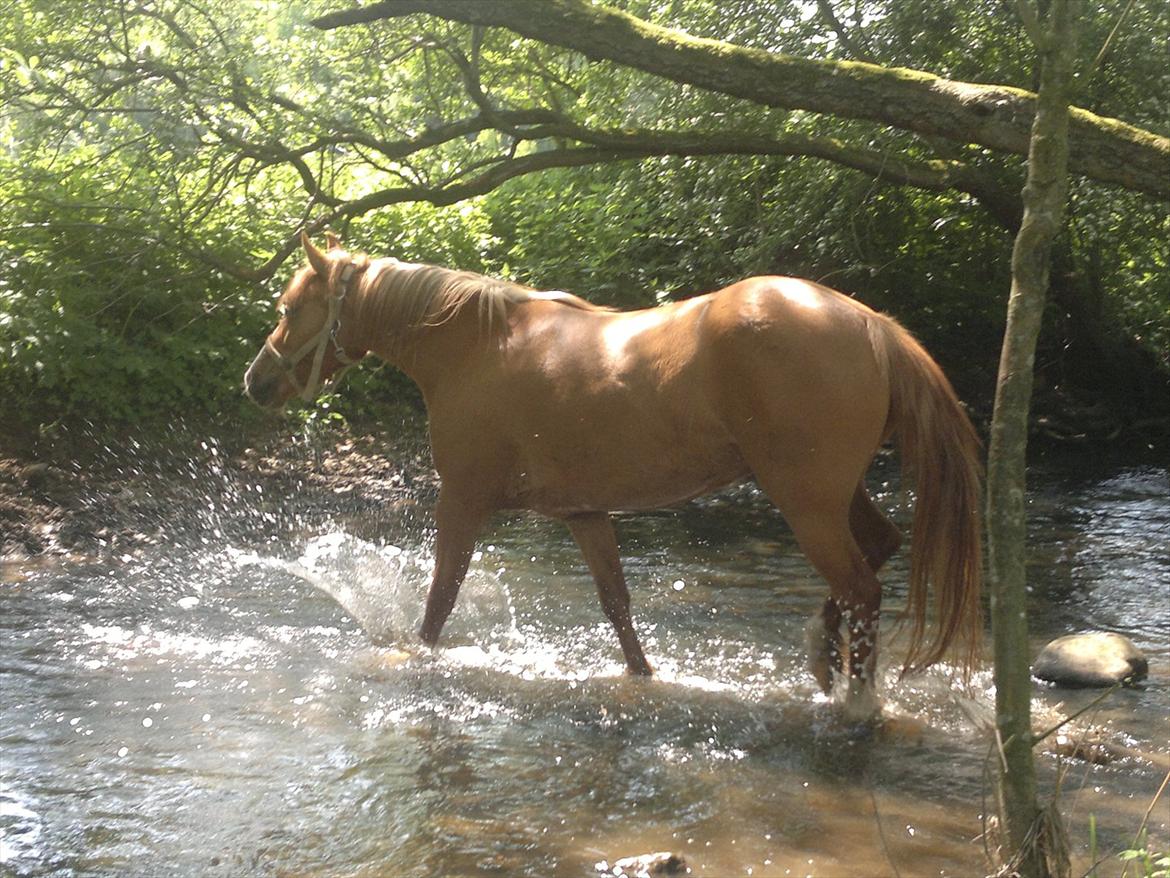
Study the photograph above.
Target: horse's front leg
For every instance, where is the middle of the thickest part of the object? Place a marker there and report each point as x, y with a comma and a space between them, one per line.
593, 532
457, 524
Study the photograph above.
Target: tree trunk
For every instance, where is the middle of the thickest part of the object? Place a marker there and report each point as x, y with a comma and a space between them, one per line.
995, 116
1045, 196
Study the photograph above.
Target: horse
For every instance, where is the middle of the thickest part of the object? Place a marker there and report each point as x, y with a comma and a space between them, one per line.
543, 401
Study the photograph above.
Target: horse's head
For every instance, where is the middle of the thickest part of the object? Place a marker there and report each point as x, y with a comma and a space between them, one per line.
304, 349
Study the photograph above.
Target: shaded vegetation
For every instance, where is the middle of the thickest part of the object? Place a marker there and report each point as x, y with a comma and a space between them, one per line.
157, 159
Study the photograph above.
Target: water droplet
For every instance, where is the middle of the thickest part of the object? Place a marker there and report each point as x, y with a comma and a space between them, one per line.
147, 723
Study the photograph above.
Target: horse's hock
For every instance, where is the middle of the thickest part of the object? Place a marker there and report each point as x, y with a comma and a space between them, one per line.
1087, 660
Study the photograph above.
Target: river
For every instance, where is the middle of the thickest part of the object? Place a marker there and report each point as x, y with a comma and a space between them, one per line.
208, 707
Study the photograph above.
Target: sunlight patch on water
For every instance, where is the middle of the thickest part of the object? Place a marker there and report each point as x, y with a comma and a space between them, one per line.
20, 828
528, 660
123, 644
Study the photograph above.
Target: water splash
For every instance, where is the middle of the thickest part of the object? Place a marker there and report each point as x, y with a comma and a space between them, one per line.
383, 587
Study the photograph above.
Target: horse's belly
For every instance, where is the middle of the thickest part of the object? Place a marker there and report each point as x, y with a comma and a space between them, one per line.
609, 478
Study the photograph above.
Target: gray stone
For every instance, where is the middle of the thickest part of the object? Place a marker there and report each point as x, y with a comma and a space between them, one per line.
663, 863
1098, 659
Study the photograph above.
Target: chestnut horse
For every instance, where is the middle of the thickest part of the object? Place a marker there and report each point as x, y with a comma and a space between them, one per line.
542, 401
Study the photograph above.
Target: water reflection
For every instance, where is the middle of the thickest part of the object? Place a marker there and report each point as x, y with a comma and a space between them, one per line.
265, 708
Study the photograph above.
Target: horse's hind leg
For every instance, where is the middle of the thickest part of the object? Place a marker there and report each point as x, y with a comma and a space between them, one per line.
878, 539
823, 636
593, 532
855, 593
820, 520
877, 536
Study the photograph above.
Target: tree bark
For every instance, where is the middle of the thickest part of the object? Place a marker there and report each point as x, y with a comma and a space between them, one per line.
1045, 196
994, 116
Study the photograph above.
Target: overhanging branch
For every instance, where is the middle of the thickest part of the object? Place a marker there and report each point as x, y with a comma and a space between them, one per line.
995, 116
608, 146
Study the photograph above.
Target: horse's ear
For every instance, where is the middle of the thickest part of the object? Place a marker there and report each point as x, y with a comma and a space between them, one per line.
332, 241
317, 259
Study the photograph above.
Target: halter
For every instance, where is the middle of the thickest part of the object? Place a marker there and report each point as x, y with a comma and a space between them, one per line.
327, 333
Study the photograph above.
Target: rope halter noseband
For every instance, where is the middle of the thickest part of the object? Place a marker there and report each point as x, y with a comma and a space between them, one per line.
327, 333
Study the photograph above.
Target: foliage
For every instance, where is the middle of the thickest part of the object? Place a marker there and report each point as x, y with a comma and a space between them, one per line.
99, 319
1143, 862
155, 159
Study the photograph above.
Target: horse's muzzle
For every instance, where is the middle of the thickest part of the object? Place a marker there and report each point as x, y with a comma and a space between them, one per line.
262, 381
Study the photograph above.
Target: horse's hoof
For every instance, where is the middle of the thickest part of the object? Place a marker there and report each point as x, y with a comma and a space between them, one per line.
824, 653
822, 673
861, 703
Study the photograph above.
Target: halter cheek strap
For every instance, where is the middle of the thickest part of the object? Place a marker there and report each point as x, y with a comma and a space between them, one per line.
317, 344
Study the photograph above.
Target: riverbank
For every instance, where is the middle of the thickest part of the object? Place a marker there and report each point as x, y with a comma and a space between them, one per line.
109, 497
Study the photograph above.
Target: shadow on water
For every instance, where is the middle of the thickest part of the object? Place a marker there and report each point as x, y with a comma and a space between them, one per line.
244, 705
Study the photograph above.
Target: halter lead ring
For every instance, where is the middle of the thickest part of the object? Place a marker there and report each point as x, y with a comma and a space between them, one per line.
309, 391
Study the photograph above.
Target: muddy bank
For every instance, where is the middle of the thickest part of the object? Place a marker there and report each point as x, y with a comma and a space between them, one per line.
113, 497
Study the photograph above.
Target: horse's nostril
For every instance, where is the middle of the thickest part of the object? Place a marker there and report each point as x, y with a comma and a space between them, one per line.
260, 392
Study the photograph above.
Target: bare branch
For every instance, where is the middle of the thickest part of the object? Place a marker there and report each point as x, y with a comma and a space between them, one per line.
626, 145
855, 47
1032, 24
1108, 43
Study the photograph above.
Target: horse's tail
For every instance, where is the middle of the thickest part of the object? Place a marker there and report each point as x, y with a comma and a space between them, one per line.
941, 454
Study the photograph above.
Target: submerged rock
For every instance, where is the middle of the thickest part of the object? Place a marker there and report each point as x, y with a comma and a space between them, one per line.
1086, 749
663, 863
1097, 659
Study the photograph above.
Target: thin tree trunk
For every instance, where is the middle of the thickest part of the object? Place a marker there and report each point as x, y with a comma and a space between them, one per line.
1045, 195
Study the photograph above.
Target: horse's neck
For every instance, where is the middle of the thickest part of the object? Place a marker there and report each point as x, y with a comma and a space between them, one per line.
431, 353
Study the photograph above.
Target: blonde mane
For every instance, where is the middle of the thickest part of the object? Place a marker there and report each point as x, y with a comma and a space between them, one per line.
400, 297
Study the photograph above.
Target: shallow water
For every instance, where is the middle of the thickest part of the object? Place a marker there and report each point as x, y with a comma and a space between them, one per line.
208, 708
